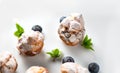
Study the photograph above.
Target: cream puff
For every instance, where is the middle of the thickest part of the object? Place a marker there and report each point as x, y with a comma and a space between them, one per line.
71, 29
70, 67
30, 43
8, 63
37, 69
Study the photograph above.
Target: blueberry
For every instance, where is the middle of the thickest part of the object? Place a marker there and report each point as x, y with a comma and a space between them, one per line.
62, 18
93, 68
37, 28
67, 59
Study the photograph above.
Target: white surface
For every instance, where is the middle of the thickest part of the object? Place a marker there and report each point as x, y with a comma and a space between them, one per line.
102, 22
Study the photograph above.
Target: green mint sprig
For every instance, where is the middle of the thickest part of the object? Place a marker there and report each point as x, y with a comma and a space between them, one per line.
56, 53
87, 43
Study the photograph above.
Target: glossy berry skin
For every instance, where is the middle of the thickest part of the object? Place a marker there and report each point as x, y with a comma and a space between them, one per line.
37, 28
67, 59
93, 68
61, 19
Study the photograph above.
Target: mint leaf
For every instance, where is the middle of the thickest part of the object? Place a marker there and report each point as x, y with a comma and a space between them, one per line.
87, 43
19, 31
51, 54
56, 53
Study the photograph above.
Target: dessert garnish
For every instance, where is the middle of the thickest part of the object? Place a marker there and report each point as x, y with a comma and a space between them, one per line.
56, 53
87, 43
19, 31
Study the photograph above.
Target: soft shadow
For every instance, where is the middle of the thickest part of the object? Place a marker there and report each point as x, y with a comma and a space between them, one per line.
38, 60
75, 50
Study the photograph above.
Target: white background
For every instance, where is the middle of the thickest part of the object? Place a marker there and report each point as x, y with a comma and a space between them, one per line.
102, 23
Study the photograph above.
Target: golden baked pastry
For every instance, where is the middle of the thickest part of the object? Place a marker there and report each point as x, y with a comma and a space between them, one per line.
70, 67
71, 29
8, 63
30, 43
36, 69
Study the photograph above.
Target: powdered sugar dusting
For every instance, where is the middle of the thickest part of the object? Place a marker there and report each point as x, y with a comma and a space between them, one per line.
8, 63
73, 68
36, 69
74, 25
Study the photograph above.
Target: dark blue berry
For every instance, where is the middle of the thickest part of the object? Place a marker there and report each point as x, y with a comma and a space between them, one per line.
93, 68
67, 59
37, 28
61, 19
